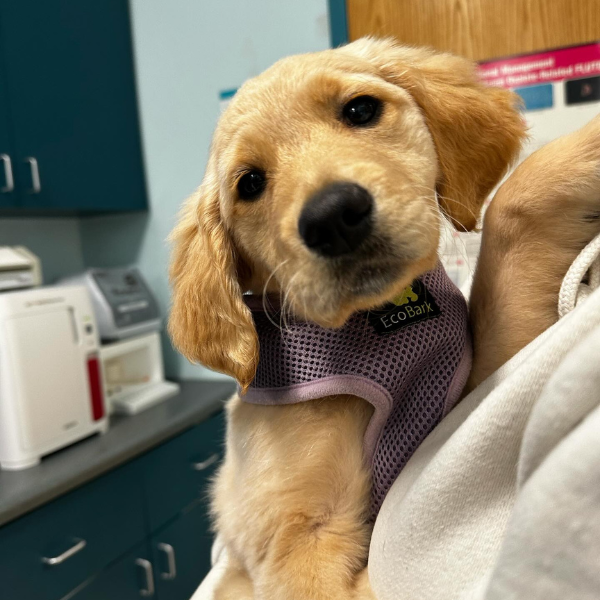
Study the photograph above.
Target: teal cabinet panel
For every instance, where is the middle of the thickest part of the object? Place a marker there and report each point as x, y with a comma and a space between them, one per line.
143, 525
70, 77
81, 533
177, 474
7, 182
127, 579
181, 555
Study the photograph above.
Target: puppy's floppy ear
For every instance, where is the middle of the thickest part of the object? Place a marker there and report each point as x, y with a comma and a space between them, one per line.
477, 129
209, 321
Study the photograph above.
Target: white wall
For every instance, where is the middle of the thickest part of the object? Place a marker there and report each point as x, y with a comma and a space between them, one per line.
187, 51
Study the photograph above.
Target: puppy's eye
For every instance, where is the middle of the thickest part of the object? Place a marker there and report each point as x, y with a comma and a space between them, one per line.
251, 185
362, 110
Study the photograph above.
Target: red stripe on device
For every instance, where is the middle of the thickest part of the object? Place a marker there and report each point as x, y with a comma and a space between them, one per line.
95, 388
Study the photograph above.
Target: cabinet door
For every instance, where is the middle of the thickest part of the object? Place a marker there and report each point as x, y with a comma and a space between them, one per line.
53, 550
7, 181
181, 555
176, 474
70, 77
130, 578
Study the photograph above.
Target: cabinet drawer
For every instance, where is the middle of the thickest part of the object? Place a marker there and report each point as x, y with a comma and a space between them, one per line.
130, 578
49, 552
176, 474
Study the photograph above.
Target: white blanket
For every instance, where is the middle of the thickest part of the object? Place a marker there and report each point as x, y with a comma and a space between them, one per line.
502, 500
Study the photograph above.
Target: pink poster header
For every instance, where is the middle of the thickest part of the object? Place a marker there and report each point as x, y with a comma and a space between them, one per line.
545, 67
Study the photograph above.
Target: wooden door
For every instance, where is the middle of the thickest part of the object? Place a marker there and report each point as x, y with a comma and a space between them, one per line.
478, 29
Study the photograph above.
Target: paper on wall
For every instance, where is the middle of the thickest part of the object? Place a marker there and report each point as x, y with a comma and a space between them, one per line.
560, 90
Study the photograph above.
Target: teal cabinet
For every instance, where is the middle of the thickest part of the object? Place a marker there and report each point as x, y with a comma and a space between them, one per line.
130, 578
102, 540
70, 95
7, 182
181, 555
48, 553
176, 473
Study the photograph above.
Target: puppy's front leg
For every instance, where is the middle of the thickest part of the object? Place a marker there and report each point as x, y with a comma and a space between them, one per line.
235, 584
293, 495
539, 221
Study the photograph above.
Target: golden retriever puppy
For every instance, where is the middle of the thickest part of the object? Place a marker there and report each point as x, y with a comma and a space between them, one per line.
398, 136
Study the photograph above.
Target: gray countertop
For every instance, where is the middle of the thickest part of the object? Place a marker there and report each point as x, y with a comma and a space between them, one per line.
127, 437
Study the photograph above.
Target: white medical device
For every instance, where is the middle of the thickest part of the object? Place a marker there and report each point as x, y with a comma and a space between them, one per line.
128, 320
19, 268
51, 392
123, 303
133, 374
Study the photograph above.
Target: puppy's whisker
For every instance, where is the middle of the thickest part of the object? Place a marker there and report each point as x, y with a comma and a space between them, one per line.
454, 245
457, 245
427, 229
286, 308
264, 293
285, 304
461, 204
288, 291
455, 224
439, 196
281, 264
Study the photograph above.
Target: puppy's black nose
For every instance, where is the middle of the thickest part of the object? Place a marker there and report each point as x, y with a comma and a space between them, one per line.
337, 219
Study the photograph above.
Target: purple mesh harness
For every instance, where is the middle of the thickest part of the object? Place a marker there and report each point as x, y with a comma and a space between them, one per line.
410, 360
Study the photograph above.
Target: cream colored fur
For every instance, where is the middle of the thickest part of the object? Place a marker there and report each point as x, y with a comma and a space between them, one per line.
291, 500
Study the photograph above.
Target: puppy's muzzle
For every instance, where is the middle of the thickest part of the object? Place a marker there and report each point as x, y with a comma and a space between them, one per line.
337, 219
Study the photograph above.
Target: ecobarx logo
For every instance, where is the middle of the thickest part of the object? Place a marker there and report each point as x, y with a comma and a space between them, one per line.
415, 304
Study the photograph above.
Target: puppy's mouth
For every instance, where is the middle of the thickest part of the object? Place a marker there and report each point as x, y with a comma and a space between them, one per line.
371, 270
370, 280
327, 292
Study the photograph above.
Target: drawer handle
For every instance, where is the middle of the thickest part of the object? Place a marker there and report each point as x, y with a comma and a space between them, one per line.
36, 185
168, 550
204, 464
8, 174
57, 560
147, 566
